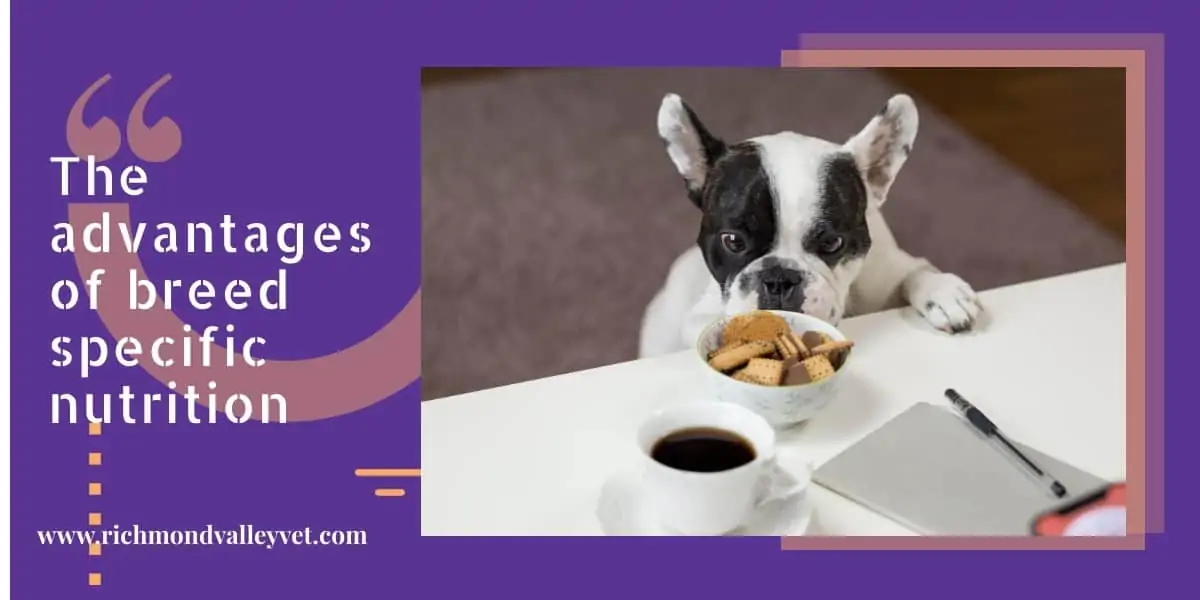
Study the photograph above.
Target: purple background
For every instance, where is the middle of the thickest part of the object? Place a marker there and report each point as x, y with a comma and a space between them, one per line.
311, 114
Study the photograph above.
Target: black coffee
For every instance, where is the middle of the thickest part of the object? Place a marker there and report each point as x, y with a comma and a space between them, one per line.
703, 450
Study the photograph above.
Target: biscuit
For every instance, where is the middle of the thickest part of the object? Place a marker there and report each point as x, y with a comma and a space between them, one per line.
817, 367
732, 357
795, 373
759, 325
835, 350
763, 371
813, 339
790, 345
724, 348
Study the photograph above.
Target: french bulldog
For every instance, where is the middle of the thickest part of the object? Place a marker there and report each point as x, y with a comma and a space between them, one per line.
793, 222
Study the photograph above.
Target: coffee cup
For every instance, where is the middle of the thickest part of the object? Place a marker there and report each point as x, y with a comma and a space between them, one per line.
707, 466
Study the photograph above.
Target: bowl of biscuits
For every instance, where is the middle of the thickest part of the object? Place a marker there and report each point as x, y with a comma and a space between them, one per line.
782, 365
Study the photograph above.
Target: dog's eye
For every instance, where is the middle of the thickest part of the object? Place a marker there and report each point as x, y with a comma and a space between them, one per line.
832, 244
733, 243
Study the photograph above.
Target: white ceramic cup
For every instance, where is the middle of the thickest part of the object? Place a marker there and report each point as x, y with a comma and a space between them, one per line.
783, 406
708, 503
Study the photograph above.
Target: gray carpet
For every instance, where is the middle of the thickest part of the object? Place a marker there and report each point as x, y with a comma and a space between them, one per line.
551, 211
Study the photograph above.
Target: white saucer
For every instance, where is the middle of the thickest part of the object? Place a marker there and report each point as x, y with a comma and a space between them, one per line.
624, 510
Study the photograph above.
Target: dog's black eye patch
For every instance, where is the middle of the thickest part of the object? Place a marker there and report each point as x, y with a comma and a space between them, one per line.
736, 199
842, 213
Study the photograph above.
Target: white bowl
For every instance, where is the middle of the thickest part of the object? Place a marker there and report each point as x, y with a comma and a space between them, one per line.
782, 406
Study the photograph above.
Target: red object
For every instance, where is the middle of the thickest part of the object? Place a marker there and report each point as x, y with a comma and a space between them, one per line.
1055, 522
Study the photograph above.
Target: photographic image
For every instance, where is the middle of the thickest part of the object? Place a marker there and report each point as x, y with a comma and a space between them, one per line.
732, 301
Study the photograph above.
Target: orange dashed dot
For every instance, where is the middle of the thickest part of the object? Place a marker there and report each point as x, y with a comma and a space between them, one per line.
93, 489
94, 459
93, 429
94, 550
93, 579
94, 519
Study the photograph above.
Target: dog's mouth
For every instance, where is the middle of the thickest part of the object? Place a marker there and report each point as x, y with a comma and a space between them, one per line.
782, 289
825, 309
789, 304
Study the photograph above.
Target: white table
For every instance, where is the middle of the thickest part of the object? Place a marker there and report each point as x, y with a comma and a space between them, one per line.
1048, 367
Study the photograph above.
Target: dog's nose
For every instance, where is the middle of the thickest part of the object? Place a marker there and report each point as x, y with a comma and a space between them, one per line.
778, 282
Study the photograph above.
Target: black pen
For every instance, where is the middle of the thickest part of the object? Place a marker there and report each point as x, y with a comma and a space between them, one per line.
985, 426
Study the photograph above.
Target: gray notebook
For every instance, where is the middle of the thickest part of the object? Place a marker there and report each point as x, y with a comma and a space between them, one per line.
931, 471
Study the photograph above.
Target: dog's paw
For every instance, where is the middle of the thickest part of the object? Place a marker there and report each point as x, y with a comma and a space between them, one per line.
946, 302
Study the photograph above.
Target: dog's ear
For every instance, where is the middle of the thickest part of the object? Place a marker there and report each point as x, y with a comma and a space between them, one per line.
689, 144
881, 148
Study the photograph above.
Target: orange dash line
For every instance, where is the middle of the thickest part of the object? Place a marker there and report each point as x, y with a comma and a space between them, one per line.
387, 472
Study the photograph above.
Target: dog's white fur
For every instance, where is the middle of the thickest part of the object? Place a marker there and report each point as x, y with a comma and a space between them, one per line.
887, 277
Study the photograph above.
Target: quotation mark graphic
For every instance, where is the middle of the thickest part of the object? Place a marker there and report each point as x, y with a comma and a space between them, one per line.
152, 143
319, 387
